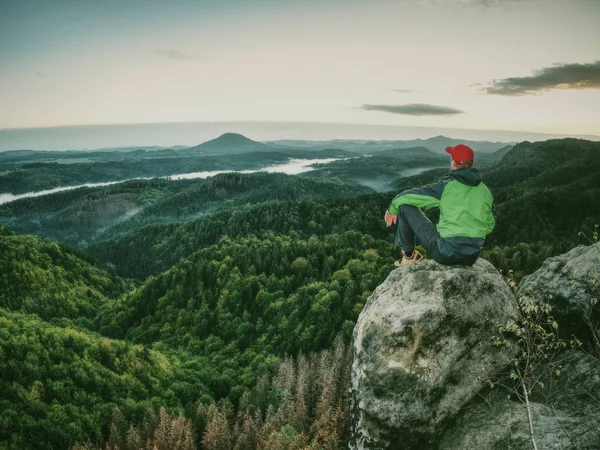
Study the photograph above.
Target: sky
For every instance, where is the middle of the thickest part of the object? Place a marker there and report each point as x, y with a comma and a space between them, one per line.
523, 65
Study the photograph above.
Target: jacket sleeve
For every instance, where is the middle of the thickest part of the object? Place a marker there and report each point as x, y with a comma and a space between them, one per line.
424, 197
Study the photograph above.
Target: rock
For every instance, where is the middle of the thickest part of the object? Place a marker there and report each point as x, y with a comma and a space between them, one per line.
565, 415
419, 345
569, 282
566, 411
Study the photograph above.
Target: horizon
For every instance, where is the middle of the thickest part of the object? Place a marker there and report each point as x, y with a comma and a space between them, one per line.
442, 64
189, 134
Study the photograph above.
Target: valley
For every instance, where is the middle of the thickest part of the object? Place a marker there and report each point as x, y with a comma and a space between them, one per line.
216, 288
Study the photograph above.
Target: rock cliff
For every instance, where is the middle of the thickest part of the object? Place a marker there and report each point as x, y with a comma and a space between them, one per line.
569, 282
423, 346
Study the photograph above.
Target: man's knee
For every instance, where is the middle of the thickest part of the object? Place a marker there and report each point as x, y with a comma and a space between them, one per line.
403, 210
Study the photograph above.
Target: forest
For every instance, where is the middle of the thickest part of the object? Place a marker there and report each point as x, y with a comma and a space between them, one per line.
217, 313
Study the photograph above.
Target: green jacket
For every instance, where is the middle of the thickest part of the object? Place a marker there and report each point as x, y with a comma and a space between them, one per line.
466, 206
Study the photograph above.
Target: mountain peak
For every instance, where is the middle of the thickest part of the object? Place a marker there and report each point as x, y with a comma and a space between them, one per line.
229, 143
232, 138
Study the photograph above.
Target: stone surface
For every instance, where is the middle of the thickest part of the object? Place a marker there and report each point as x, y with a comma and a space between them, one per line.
569, 282
420, 344
566, 414
423, 341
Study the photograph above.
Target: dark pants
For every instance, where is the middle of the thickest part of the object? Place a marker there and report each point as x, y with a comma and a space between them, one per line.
412, 224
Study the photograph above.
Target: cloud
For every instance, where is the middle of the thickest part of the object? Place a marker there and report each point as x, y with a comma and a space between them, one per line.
174, 54
39, 74
559, 76
414, 109
403, 91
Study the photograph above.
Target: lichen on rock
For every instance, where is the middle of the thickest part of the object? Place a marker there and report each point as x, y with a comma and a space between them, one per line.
423, 347
569, 282
418, 351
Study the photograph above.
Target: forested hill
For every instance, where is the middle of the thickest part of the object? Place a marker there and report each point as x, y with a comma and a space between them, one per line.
37, 176
217, 322
254, 296
556, 162
233, 273
80, 216
534, 193
60, 382
153, 248
41, 277
546, 191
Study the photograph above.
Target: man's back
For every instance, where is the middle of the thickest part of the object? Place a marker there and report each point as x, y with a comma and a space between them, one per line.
466, 214
465, 206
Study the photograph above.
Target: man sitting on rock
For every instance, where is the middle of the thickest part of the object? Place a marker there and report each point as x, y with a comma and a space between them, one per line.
466, 214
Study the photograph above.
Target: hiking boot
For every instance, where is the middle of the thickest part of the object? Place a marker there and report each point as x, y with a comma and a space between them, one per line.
406, 261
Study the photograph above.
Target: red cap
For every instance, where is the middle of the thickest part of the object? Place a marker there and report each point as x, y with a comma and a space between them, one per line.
461, 153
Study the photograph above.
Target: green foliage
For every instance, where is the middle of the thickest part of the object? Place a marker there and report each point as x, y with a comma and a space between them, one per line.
522, 259
81, 216
378, 171
41, 176
41, 277
240, 271
152, 249
301, 404
534, 331
546, 191
60, 385
242, 302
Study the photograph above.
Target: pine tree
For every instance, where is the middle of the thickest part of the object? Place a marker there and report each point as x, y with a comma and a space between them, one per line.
218, 434
300, 408
118, 431
134, 440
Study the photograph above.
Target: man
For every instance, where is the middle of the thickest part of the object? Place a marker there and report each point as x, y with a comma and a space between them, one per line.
466, 214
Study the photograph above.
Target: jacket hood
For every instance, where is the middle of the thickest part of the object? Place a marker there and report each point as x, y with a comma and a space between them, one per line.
469, 176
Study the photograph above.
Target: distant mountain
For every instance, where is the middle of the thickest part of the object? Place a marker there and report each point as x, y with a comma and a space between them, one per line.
191, 133
346, 144
228, 143
499, 154
142, 147
412, 152
308, 153
436, 144
439, 143
420, 179
235, 143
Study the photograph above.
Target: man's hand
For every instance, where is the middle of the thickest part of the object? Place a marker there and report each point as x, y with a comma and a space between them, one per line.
390, 219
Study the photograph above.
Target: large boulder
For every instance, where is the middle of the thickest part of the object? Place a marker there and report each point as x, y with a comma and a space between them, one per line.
569, 282
421, 343
565, 414
566, 411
